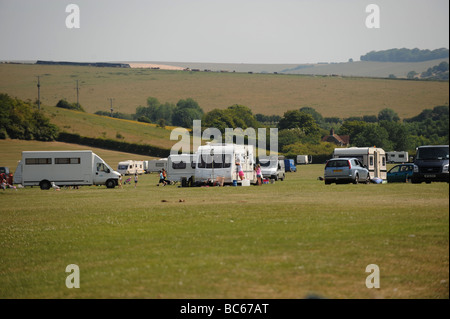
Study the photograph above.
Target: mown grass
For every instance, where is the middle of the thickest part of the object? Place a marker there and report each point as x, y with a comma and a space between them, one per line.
263, 93
282, 240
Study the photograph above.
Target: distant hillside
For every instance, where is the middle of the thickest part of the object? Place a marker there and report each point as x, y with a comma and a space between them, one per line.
406, 55
367, 68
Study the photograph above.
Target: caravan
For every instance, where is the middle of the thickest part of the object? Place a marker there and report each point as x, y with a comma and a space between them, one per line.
397, 157
154, 166
373, 158
131, 167
216, 161
64, 168
180, 166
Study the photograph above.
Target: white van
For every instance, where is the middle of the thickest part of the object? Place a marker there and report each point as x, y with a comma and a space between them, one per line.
131, 167
180, 166
272, 167
64, 168
374, 158
304, 159
397, 157
216, 160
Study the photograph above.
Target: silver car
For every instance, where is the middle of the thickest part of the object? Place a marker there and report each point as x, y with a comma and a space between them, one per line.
346, 170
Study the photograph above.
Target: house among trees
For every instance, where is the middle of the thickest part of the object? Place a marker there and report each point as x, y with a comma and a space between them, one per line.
341, 140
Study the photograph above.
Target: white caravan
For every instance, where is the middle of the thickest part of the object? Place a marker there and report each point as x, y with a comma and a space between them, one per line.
272, 167
372, 157
154, 166
216, 160
397, 157
180, 166
131, 167
304, 159
64, 168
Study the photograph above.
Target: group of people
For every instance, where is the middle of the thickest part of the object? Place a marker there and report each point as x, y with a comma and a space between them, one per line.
4, 183
242, 175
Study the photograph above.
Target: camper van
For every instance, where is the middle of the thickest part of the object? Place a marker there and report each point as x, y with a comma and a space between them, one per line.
216, 160
180, 166
154, 166
131, 167
397, 157
64, 168
304, 159
272, 167
373, 158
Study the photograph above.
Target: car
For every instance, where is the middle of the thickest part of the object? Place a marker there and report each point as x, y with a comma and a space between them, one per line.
345, 170
400, 173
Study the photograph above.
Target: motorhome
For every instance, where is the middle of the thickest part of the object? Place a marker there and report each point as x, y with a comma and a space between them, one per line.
64, 168
180, 166
216, 160
154, 166
374, 158
304, 159
131, 167
272, 167
397, 157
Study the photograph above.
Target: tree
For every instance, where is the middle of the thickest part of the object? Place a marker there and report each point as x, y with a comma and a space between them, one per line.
186, 112
373, 135
388, 115
297, 119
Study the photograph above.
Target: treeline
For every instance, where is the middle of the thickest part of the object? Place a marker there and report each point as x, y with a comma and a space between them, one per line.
405, 55
22, 120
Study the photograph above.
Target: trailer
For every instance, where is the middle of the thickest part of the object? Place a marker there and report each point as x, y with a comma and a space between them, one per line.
304, 159
216, 161
154, 166
397, 157
64, 168
181, 166
374, 158
130, 167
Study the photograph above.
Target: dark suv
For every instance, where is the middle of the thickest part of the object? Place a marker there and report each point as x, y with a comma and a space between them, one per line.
431, 164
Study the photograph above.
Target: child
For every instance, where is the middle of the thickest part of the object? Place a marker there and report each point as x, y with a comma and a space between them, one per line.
135, 179
240, 171
161, 179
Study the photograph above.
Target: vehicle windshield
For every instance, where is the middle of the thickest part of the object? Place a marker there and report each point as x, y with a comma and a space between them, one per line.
122, 167
435, 153
268, 163
338, 163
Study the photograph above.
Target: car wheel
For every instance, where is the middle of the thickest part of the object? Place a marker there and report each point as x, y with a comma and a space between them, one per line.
368, 179
356, 181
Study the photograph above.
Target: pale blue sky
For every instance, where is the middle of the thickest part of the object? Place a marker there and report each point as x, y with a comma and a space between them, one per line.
227, 31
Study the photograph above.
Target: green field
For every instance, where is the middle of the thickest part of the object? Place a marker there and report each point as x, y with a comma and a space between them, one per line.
283, 240
264, 93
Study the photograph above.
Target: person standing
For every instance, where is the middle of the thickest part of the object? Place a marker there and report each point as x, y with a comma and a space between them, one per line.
258, 174
135, 179
240, 171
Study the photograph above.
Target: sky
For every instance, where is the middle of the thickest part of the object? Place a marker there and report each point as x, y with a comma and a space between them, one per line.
217, 31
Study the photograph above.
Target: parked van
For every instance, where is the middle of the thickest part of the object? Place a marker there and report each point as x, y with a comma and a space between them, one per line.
289, 165
64, 168
272, 167
180, 166
154, 166
373, 158
131, 167
304, 159
217, 160
397, 157
431, 164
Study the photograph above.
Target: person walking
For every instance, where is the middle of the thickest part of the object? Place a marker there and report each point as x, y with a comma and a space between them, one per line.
258, 174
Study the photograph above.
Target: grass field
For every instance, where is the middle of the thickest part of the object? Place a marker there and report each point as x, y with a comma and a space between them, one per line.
283, 240
263, 93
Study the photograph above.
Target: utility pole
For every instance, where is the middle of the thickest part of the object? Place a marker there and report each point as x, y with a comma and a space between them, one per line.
78, 103
39, 93
111, 109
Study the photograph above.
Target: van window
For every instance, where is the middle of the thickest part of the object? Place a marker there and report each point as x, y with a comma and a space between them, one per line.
38, 161
67, 160
101, 167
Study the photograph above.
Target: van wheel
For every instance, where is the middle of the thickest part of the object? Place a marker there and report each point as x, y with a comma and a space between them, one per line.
110, 183
44, 185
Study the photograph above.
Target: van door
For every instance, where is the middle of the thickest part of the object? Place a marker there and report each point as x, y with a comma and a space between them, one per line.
101, 172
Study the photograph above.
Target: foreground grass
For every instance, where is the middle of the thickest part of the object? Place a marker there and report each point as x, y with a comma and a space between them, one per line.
285, 240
